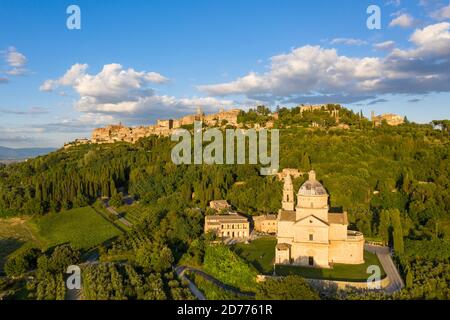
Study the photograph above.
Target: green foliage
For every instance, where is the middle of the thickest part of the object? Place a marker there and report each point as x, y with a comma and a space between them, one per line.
82, 228
116, 200
116, 282
428, 249
21, 262
228, 267
287, 288
210, 290
49, 283
154, 257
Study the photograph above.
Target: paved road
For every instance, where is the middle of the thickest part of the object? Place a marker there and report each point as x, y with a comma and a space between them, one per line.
233, 290
396, 281
195, 291
122, 220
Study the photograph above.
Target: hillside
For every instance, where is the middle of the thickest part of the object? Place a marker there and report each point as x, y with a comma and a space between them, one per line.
382, 176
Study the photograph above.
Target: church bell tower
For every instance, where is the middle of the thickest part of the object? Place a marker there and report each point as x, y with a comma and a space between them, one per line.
288, 194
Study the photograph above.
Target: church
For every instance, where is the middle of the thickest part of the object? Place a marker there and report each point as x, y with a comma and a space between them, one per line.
309, 235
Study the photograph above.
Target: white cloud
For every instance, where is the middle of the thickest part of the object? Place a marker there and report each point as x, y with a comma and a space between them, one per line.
16, 62
442, 13
348, 41
386, 45
315, 73
14, 58
117, 91
403, 20
111, 80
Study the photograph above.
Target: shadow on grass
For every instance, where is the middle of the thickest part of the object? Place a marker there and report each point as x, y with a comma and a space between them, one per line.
7, 247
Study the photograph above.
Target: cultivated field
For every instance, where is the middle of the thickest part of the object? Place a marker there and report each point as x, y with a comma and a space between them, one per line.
83, 228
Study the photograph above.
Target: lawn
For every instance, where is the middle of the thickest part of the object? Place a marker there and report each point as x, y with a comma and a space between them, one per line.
260, 253
342, 272
83, 228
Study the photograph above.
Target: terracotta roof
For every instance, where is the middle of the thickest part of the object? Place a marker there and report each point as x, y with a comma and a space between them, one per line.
338, 218
287, 216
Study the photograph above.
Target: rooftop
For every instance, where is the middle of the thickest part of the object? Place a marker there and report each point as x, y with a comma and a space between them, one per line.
312, 187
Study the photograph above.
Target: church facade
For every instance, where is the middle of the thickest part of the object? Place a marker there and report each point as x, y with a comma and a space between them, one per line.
309, 235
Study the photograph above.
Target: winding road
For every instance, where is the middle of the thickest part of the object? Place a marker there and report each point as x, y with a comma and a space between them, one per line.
383, 254
180, 270
113, 211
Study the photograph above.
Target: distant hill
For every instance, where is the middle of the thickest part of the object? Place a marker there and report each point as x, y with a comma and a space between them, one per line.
22, 153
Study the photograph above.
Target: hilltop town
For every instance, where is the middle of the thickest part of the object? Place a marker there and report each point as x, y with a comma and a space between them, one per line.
164, 127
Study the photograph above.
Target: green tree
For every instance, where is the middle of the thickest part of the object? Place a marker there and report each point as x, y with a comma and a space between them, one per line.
116, 200
287, 288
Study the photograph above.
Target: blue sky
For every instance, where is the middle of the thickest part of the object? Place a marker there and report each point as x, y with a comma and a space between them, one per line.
136, 61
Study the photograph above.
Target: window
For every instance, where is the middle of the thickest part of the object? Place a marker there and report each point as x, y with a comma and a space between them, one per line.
311, 261
311, 237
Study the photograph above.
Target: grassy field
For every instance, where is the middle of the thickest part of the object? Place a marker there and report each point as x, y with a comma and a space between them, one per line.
343, 272
83, 228
260, 253
14, 234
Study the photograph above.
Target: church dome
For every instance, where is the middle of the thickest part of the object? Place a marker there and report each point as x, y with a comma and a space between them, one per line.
312, 187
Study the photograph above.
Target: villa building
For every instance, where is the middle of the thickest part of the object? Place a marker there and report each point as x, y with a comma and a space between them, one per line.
267, 223
231, 225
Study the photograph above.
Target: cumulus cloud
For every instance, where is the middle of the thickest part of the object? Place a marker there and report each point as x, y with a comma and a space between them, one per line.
403, 20
313, 71
115, 90
348, 41
442, 13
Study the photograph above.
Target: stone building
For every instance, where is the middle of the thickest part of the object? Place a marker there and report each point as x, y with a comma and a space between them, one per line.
390, 118
295, 173
309, 235
219, 205
116, 133
230, 225
266, 223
